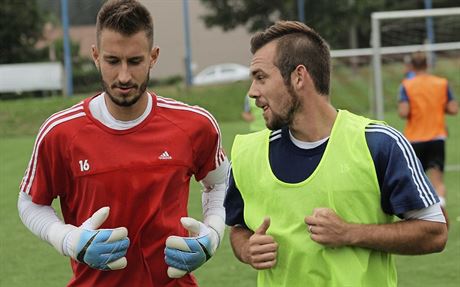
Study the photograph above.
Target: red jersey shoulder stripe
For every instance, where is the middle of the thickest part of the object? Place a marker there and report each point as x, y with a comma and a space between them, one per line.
170, 103
173, 104
61, 113
71, 113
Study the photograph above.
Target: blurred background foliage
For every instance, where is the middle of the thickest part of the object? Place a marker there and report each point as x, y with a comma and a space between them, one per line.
336, 20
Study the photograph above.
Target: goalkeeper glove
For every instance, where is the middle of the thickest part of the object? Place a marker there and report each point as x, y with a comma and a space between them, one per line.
103, 249
185, 254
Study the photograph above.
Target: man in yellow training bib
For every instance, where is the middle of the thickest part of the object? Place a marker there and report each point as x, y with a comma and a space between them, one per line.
312, 199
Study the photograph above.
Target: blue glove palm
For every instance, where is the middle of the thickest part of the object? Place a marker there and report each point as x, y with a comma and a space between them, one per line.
102, 249
185, 254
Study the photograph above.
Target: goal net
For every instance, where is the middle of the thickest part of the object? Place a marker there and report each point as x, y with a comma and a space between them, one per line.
366, 81
397, 34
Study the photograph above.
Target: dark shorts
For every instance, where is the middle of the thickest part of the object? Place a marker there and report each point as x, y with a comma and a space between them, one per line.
431, 154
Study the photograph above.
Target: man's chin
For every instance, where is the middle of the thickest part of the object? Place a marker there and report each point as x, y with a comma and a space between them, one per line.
276, 123
124, 103
124, 100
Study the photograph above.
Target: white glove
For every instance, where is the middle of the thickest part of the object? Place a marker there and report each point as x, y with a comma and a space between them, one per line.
103, 249
185, 254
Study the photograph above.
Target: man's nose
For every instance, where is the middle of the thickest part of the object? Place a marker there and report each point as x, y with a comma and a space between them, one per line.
124, 76
253, 91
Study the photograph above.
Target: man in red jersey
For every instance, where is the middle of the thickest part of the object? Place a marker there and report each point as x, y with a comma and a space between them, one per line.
120, 163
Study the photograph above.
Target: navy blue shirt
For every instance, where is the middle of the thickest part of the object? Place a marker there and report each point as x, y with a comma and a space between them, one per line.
403, 184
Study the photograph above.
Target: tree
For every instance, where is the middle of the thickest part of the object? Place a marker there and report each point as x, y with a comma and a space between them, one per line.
81, 12
22, 23
331, 18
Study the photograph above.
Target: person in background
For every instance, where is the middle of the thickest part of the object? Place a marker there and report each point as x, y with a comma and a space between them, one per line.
312, 199
408, 69
253, 115
424, 100
121, 163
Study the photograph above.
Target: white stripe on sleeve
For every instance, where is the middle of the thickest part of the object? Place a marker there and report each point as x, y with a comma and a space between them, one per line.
411, 159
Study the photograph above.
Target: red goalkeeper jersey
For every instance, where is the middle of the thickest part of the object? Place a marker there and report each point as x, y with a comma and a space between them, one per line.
142, 174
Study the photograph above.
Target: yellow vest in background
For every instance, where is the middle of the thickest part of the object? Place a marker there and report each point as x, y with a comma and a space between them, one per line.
259, 123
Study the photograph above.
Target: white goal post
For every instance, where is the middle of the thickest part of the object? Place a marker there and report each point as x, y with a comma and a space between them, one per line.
377, 50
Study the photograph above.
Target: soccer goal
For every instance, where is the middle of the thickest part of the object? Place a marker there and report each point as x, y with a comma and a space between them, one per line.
396, 34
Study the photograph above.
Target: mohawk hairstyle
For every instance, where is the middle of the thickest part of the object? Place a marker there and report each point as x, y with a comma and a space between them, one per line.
297, 44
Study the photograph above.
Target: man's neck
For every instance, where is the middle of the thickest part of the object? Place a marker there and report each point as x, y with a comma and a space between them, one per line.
314, 122
420, 72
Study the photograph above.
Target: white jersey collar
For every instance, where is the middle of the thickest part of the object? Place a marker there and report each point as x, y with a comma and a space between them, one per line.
306, 145
99, 110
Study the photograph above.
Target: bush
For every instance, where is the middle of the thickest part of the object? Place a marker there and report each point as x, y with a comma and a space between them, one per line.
168, 81
86, 78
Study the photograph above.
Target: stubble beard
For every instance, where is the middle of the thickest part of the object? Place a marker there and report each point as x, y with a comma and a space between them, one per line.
126, 101
286, 117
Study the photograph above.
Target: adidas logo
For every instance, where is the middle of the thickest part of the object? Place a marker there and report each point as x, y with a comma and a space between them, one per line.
165, 155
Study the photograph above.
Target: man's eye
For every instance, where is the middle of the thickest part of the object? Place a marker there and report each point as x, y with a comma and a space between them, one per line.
112, 61
135, 61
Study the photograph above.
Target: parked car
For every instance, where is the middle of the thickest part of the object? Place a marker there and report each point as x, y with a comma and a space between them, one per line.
221, 73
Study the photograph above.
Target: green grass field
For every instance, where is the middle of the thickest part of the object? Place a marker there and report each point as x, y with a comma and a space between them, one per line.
27, 261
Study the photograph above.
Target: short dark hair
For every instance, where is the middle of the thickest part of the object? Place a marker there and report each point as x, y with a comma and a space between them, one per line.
126, 17
297, 44
418, 61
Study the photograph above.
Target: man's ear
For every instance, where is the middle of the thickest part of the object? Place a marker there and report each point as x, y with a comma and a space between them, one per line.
300, 77
95, 55
154, 54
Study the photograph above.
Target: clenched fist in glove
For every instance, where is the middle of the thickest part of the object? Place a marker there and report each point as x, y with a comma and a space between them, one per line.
103, 249
185, 254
